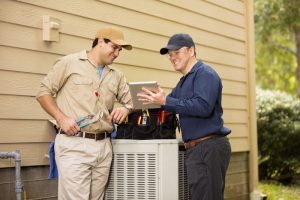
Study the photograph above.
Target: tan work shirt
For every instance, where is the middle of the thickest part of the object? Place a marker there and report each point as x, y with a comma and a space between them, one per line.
75, 84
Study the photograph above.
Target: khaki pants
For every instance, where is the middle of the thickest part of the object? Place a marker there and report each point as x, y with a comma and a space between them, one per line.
83, 167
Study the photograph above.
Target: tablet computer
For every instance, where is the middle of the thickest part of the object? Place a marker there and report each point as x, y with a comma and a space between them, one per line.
136, 87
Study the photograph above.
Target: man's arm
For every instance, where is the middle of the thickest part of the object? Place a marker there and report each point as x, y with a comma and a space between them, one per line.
119, 114
201, 104
68, 125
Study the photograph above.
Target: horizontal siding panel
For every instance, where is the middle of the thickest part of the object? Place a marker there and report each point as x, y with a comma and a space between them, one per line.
236, 116
22, 37
232, 87
166, 79
154, 59
34, 154
208, 9
28, 174
239, 191
238, 130
240, 144
230, 73
31, 154
238, 178
41, 62
117, 15
167, 12
19, 83
26, 131
22, 107
239, 196
34, 180
32, 61
241, 156
169, 79
218, 56
26, 84
16, 36
29, 38
234, 102
234, 5
14, 12
23, 131
238, 167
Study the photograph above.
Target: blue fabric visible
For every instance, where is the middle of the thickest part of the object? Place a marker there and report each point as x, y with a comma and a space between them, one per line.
114, 132
197, 99
53, 168
100, 70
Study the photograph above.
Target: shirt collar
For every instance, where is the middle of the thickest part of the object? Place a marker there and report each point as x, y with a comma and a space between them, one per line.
83, 56
194, 68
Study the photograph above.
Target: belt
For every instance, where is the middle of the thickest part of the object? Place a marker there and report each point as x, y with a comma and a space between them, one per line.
193, 143
90, 135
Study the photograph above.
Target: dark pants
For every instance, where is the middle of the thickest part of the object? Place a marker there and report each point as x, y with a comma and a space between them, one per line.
206, 165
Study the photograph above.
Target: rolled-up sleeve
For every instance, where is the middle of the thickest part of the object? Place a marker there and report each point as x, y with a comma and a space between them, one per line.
124, 96
54, 80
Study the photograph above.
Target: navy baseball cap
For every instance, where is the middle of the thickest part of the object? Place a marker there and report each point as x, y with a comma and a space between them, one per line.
178, 41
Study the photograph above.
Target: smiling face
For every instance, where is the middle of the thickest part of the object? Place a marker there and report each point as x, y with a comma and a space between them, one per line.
109, 51
182, 59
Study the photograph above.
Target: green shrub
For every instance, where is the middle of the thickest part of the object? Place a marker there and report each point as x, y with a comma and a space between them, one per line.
278, 124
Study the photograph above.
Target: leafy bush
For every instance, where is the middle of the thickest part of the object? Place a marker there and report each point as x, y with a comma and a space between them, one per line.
278, 124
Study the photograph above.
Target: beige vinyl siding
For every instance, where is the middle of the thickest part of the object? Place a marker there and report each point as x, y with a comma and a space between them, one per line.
237, 177
31, 153
218, 28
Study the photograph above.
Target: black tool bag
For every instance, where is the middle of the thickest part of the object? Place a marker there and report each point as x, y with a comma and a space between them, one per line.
148, 124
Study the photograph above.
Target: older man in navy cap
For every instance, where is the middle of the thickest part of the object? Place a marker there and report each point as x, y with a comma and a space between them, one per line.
197, 100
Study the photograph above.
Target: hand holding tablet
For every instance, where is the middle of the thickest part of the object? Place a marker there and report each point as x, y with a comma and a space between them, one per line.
138, 94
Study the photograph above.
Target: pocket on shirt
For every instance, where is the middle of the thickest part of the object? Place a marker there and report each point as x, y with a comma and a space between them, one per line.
82, 81
82, 85
82, 89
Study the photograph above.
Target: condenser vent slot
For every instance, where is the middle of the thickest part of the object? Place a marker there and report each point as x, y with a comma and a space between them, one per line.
133, 176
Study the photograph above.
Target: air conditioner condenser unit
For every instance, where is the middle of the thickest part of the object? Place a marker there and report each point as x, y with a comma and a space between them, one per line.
144, 170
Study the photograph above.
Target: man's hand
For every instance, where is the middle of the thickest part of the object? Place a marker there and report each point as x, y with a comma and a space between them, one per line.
150, 97
68, 125
119, 114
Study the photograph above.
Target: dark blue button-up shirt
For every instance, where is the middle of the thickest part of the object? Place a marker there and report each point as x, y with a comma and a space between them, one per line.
197, 99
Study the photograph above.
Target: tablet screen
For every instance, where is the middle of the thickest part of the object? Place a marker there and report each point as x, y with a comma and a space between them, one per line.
136, 87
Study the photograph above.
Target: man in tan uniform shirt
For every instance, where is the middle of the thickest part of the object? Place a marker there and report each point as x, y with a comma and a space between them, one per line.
78, 85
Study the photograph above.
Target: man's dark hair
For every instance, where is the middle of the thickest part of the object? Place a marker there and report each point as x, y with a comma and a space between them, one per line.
95, 42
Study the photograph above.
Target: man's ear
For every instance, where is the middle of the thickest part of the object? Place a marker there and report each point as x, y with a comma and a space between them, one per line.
192, 51
100, 41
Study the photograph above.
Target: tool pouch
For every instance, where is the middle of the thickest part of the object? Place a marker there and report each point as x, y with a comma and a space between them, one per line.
151, 124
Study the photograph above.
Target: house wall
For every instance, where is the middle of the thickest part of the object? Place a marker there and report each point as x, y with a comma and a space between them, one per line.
219, 29
38, 186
